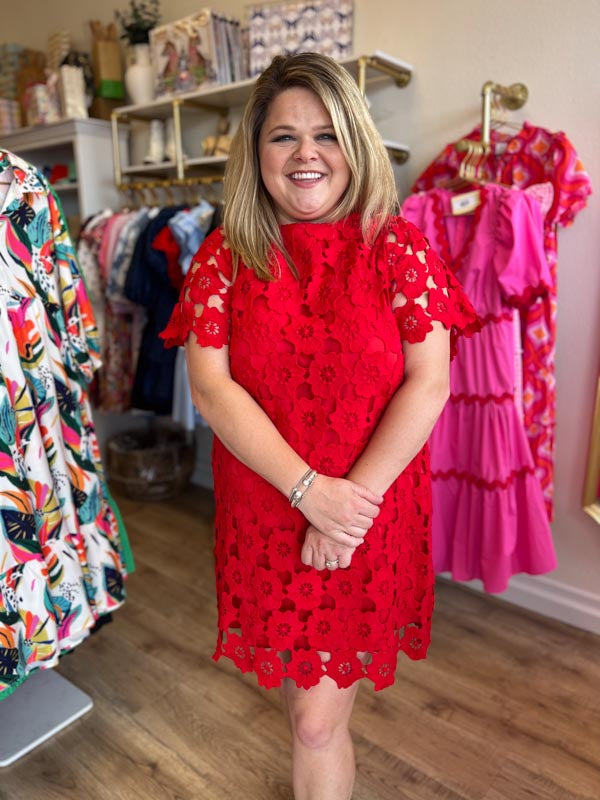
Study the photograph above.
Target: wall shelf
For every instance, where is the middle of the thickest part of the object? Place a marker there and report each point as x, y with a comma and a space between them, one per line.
219, 100
87, 143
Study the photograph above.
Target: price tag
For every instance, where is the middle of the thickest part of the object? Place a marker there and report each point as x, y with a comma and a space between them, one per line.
465, 203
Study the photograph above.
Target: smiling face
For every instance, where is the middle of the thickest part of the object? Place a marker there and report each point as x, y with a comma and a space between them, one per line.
301, 163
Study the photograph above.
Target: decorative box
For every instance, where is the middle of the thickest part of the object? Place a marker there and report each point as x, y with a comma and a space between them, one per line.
10, 63
72, 92
40, 108
322, 26
10, 116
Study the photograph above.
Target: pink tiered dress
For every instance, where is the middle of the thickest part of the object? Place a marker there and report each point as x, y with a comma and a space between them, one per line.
489, 518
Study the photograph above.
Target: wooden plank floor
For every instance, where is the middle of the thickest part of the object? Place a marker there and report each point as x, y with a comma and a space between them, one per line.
506, 707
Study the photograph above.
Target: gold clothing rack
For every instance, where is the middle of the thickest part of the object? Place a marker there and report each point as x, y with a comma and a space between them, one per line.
509, 97
146, 190
167, 183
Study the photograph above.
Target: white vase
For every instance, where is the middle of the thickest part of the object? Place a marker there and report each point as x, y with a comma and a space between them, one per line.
139, 75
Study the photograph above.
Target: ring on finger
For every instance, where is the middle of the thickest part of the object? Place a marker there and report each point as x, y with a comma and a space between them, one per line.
332, 564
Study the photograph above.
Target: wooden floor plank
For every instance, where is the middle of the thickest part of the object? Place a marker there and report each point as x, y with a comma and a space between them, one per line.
506, 707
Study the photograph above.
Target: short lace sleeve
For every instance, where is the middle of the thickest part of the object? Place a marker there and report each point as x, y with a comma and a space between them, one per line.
205, 300
520, 261
423, 289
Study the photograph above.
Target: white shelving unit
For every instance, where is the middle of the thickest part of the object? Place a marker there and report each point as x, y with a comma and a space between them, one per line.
87, 142
196, 114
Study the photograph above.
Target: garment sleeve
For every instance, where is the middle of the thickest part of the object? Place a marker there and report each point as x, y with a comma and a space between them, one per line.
423, 289
572, 185
519, 260
81, 330
204, 304
444, 167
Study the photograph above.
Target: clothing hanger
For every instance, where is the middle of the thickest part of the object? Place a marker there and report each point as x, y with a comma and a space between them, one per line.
499, 116
474, 169
468, 175
169, 196
153, 198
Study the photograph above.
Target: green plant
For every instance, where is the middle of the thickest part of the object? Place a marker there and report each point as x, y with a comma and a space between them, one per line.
138, 20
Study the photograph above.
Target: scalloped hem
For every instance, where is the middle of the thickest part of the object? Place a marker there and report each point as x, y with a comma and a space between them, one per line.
306, 669
481, 483
531, 295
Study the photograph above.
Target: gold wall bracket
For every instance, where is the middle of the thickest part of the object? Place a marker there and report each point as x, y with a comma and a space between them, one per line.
511, 97
400, 74
398, 154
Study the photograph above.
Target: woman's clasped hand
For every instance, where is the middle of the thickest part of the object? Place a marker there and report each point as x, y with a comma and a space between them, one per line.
340, 513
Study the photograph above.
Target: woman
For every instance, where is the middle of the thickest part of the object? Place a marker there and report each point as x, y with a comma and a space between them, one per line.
317, 327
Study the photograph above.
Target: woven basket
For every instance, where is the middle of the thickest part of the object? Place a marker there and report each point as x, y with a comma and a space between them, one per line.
154, 463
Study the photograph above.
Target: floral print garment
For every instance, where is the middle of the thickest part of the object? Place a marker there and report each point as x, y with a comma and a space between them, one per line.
61, 548
534, 156
323, 356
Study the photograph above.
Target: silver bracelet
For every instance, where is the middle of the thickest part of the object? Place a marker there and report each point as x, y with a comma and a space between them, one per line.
302, 487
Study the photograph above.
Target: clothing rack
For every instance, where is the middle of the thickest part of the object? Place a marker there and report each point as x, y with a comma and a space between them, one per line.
167, 183
39, 708
503, 97
509, 97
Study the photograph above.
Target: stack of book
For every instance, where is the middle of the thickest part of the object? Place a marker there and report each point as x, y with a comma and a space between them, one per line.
11, 57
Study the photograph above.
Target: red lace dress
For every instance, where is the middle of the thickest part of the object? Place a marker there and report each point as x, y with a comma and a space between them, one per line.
322, 355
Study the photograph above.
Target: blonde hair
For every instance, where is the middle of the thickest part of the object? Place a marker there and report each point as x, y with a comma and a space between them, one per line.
249, 221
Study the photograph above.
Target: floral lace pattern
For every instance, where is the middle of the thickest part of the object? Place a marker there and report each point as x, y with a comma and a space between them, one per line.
322, 355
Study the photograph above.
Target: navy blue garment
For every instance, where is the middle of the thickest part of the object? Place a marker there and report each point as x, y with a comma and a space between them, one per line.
148, 285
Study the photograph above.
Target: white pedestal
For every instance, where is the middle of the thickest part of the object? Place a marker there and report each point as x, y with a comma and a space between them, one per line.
43, 705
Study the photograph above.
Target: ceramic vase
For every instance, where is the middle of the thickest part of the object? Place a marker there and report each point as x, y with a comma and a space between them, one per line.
139, 75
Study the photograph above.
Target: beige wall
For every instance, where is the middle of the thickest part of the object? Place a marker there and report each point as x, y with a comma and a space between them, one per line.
41, 17
456, 46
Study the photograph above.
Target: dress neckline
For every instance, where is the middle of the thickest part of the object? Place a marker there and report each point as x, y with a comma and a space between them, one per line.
441, 204
352, 218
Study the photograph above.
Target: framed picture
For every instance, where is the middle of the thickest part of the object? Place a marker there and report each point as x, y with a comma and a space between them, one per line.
591, 492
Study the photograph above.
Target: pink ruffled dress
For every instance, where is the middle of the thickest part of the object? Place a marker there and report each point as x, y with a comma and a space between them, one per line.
489, 517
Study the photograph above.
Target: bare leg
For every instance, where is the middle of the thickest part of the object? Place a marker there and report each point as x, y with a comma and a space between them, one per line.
322, 750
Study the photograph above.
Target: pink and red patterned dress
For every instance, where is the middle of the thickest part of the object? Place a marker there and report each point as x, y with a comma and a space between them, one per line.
323, 356
535, 155
489, 519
